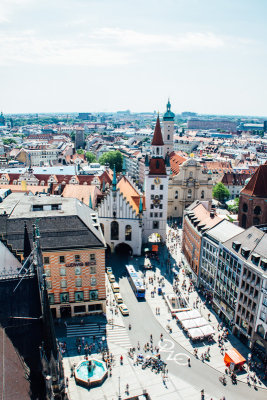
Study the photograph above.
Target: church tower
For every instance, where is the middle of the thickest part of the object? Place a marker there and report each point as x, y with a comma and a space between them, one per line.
168, 129
157, 171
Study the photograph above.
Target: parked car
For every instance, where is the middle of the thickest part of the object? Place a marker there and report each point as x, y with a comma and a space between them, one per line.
118, 298
109, 270
115, 287
111, 278
123, 309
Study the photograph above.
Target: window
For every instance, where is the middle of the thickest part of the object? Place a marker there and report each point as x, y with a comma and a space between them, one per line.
63, 283
152, 187
257, 210
78, 282
151, 215
48, 272
256, 221
156, 215
152, 196
189, 193
93, 281
79, 309
114, 230
77, 257
49, 284
160, 215
191, 174
51, 298
61, 259
168, 137
245, 207
155, 224
160, 206
62, 271
78, 296
128, 232
46, 260
176, 194
64, 297
160, 187
202, 194
161, 196
78, 270
92, 257
244, 221
92, 270
151, 206
93, 294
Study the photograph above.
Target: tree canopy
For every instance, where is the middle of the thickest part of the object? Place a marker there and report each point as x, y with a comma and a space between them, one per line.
112, 158
220, 192
90, 157
80, 151
234, 207
9, 141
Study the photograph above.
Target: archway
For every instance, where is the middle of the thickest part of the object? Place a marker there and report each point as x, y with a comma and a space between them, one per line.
124, 249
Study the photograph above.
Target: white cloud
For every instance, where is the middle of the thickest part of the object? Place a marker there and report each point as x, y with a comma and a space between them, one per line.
103, 47
170, 42
26, 48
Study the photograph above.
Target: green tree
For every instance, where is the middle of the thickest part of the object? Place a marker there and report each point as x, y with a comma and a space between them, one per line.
80, 151
220, 192
234, 207
112, 158
9, 141
90, 157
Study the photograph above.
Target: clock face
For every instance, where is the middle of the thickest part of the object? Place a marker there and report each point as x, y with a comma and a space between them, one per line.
156, 201
157, 181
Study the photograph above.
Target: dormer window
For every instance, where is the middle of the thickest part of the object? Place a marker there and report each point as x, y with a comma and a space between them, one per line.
245, 252
236, 246
255, 258
264, 264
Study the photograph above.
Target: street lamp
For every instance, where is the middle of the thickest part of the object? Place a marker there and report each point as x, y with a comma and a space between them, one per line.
119, 398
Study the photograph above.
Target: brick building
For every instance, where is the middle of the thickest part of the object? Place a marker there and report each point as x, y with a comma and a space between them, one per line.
253, 200
197, 219
73, 249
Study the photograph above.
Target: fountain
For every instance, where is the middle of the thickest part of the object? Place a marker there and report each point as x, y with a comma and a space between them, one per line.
90, 372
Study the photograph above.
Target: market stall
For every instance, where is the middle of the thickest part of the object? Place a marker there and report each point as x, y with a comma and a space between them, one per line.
234, 358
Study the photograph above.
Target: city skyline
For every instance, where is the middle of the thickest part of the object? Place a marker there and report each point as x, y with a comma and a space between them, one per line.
94, 56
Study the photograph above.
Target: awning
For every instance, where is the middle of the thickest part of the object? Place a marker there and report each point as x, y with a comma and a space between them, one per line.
200, 322
155, 247
207, 330
189, 324
233, 356
195, 333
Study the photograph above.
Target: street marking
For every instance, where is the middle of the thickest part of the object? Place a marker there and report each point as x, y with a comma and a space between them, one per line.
167, 346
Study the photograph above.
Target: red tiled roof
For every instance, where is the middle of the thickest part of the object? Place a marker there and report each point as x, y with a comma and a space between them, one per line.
157, 166
175, 162
257, 186
157, 137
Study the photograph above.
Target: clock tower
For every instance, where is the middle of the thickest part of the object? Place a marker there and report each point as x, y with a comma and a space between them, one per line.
168, 129
157, 170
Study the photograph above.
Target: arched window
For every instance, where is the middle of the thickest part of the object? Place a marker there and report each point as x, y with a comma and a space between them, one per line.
202, 194
189, 193
114, 230
244, 221
257, 210
102, 228
176, 194
157, 150
260, 331
245, 207
191, 174
168, 137
128, 232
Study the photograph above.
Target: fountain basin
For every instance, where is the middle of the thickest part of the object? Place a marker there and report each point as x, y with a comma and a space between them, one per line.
90, 372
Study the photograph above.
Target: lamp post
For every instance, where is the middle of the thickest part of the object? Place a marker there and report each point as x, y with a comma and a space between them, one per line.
119, 398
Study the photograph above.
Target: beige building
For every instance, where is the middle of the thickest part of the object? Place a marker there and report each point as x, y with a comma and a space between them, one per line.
188, 185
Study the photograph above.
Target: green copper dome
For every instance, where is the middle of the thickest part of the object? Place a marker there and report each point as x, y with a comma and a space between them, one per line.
169, 115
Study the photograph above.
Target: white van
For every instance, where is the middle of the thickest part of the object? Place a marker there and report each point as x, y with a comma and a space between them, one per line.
115, 287
118, 298
111, 278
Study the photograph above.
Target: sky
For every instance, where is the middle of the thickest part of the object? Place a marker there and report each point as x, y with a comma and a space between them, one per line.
208, 56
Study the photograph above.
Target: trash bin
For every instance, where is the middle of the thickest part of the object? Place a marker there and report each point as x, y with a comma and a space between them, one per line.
159, 291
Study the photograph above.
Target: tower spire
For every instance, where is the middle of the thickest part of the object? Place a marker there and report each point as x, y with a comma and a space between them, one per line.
114, 180
157, 137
